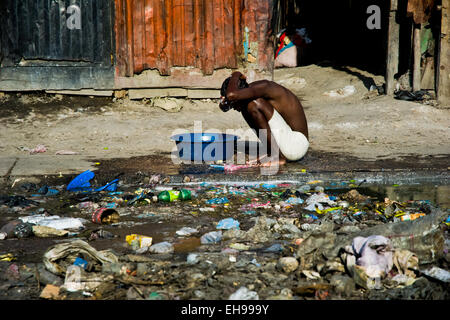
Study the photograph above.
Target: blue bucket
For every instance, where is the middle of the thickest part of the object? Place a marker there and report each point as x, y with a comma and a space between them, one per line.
205, 146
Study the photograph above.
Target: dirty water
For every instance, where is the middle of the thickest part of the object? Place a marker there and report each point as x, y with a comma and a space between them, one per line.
221, 270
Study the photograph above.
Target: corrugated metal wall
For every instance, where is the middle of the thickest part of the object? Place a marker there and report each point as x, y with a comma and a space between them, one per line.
37, 29
206, 34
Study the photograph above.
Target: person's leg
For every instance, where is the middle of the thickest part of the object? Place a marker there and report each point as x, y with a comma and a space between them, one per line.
257, 115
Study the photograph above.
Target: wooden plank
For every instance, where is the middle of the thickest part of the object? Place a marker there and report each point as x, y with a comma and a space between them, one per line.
51, 78
392, 49
417, 58
83, 92
443, 88
182, 78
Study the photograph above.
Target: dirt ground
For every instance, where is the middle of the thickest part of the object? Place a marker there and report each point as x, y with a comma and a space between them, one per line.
364, 125
363, 132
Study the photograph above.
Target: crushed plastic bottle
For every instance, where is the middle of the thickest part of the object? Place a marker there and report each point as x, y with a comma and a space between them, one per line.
192, 258
294, 201
162, 247
304, 189
227, 224
186, 231
211, 237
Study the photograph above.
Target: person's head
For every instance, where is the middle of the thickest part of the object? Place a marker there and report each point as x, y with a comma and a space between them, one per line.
241, 85
226, 105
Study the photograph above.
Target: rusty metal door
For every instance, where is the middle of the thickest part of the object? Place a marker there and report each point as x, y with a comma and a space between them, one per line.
205, 34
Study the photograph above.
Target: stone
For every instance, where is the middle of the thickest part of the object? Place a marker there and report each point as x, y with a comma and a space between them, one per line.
343, 284
287, 264
167, 104
120, 94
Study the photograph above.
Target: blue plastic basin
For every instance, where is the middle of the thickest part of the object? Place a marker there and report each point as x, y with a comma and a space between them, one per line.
205, 146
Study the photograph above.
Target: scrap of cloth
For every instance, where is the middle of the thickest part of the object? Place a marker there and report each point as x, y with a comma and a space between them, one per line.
374, 253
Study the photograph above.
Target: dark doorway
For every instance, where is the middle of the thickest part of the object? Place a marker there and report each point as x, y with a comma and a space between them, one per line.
338, 30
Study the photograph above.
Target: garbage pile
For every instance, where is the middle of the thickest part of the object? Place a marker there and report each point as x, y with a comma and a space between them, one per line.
212, 241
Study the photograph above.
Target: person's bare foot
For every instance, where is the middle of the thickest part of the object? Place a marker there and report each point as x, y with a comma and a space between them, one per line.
266, 161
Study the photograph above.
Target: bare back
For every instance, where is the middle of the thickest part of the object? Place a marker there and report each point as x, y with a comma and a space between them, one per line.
285, 102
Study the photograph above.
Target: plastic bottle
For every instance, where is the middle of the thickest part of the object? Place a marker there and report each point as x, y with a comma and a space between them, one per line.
173, 195
413, 216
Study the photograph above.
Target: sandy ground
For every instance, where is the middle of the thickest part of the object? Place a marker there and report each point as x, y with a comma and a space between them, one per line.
364, 125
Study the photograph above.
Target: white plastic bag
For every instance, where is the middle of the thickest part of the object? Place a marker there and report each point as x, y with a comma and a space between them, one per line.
244, 294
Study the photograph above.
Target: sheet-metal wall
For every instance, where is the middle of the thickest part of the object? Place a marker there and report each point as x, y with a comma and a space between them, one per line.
38, 30
205, 34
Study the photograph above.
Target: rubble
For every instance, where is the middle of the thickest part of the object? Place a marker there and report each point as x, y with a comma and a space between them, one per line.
299, 242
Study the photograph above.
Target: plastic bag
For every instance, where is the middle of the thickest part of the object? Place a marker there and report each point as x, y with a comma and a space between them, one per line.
162, 247
227, 224
211, 237
244, 294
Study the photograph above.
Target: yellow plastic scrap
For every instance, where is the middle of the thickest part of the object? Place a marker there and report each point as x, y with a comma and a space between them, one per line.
7, 257
144, 241
399, 213
314, 181
327, 210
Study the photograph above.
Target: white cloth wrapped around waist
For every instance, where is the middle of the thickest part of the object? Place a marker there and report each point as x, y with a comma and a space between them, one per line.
293, 144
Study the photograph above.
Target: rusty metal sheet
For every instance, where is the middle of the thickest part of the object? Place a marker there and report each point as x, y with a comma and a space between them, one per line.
420, 10
204, 34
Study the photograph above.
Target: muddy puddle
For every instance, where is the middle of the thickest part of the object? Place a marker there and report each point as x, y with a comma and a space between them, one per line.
274, 219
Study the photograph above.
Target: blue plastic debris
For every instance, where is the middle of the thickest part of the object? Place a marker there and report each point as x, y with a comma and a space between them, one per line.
217, 200
81, 263
268, 186
228, 223
46, 191
138, 197
115, 193
274, 248
111, 205
220, 167
255, 263
294, 200
81, 183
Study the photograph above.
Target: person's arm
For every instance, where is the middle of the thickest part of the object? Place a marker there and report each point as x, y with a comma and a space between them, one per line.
258, 89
